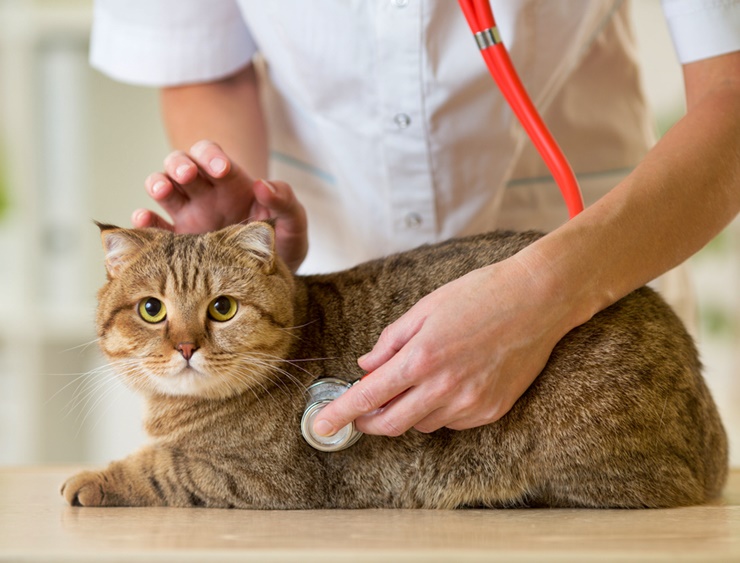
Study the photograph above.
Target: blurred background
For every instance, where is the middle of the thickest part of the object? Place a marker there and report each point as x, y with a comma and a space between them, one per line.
76, 146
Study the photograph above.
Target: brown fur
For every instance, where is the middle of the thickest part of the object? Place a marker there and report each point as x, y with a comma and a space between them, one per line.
619, 417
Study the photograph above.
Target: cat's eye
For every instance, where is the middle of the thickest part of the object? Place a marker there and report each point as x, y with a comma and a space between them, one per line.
152, 310
223, 308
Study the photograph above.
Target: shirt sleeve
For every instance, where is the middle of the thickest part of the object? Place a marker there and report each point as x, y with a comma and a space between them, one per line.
703, 28
169, 42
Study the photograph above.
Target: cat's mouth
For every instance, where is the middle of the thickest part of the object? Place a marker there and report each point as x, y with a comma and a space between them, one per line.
187, 380
195, 378
190, 371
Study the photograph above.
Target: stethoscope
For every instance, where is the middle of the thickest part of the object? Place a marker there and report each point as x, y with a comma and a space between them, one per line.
480, 19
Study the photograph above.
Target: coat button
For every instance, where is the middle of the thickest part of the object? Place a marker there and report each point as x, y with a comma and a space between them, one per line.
402, 120
413, 220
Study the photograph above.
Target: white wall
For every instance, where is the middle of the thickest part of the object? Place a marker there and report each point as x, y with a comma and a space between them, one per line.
76, 148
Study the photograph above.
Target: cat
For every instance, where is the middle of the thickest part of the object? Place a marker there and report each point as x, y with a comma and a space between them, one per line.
619, 417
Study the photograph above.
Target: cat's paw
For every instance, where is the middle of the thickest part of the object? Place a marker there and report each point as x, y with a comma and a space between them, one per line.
85, 489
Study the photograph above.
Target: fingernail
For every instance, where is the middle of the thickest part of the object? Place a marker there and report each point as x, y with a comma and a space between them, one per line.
157, 187
323, 428
269, 185
198, 148
181, 170
139, 215
217, 165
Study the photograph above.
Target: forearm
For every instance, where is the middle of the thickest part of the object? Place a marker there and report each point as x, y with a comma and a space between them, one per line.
685, 191
227, 112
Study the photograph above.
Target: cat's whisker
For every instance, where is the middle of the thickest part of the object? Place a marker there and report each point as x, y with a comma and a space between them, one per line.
295, 360
86, 387
99, 376
295, 363
82, 347
83, 381
90, 397
91, 383
296, 327
234, 372
77, 379
272, 363
289, 330
268, 372
283, 376
81, 395
112, 386
276, 382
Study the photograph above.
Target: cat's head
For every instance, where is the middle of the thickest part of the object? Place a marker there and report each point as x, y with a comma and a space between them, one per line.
194, 315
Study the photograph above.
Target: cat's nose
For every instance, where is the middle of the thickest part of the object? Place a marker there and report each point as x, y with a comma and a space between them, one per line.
186, 349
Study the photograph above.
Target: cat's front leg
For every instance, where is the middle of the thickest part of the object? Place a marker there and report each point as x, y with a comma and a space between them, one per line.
106, 488
151, 477
129, 482
94, 488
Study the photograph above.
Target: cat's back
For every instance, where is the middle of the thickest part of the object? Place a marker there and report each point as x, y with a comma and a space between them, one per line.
446, 260
347, 310
388, 286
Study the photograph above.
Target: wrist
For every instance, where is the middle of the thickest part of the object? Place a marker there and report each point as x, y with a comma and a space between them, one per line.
564, 282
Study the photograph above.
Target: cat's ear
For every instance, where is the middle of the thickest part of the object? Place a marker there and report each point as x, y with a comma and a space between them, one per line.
120, 246
257, 239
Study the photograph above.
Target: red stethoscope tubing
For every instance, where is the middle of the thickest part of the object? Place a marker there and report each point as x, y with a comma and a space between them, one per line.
480, 18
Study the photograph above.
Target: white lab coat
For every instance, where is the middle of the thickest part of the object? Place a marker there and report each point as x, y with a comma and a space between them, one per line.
382, 115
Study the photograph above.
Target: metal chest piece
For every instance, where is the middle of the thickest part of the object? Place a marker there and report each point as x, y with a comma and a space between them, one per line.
319, 394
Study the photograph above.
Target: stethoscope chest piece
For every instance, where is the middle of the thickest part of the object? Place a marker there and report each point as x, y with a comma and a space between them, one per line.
319, 394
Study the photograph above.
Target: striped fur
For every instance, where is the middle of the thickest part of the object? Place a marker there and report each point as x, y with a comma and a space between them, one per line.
619, 417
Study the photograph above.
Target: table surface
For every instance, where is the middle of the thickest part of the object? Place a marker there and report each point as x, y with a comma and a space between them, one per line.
36, 525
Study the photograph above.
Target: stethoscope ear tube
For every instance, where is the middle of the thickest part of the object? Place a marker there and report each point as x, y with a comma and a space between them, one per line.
480, 19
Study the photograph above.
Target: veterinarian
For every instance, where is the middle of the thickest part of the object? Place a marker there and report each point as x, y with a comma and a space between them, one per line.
380, 118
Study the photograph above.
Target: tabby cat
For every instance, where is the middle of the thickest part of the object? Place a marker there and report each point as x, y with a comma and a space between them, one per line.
223, 340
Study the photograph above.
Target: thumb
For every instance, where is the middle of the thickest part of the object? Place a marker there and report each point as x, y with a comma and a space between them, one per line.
277, 199
280, 201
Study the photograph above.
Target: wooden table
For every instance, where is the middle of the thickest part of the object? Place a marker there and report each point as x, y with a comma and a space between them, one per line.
36, 525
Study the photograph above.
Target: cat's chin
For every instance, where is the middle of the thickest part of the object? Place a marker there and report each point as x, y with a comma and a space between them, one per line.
190, 382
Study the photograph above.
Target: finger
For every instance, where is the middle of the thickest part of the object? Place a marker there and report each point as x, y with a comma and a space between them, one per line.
479, 416
463, 424
187, 176
180, 167
434, 420
280, 201
368, 395
163, 190
143, 218
277, 200
211, 159
400, 415
393, 338
469, 410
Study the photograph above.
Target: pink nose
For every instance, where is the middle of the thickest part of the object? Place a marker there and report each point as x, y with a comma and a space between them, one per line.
186, 349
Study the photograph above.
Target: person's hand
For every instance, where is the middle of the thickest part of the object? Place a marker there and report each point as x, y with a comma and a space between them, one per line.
203, 190
459, 358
